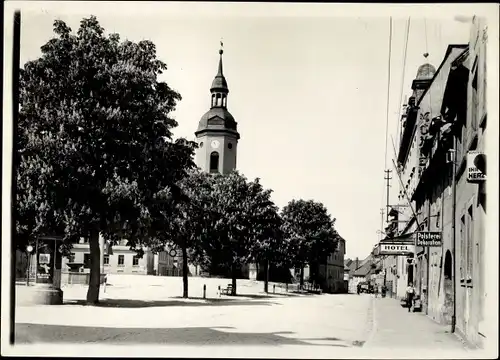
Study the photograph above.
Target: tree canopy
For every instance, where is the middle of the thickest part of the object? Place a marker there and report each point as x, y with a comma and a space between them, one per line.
96, 151
242, 225
309, 231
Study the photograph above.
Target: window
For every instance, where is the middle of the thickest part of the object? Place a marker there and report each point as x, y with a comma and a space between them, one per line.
485, 86
470, 241
214, 162
135, 261
121, 260
475, 97
462, 249
448, 268
86, 261
71, 258
106, 259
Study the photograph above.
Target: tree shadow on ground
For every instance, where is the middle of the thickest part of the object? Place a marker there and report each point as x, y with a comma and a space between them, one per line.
38, 333
266, 296
130, 303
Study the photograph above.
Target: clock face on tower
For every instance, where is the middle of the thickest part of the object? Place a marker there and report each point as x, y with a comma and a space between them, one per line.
215, 144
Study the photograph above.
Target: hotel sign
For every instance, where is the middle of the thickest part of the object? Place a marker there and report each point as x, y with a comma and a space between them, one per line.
396, 249
429, 239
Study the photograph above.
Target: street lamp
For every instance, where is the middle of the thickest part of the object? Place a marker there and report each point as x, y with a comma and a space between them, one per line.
29, 249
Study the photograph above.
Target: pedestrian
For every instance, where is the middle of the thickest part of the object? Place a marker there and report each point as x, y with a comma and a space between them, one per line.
410, 295
358, 288
105, 282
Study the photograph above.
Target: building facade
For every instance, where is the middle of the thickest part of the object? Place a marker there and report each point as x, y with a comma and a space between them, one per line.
333, 270
443, 182
433, 194
121, 260
470, 212
407, 175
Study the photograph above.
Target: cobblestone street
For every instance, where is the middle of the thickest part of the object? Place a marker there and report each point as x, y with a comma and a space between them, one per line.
149, 314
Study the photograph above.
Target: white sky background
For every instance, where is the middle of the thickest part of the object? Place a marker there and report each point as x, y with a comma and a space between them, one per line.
309, 93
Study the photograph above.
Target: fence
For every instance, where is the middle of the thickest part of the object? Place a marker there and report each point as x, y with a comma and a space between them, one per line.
76, 278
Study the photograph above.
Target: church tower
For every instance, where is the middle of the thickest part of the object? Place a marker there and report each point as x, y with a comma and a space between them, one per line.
217, 134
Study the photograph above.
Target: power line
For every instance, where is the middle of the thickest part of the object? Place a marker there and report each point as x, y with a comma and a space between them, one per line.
403, 79
388, 93
387, 102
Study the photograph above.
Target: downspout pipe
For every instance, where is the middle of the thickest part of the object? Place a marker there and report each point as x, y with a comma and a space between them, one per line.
454, 232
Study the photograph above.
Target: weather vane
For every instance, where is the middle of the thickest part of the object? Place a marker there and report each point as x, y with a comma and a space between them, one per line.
221, 46
426, 54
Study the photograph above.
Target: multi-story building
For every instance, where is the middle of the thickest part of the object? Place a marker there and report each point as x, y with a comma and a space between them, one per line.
469, 76
333, 270
407, 175
433, 194
121, 260
448, 193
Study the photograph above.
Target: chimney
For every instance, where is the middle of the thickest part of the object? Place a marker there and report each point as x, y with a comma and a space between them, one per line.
357, 263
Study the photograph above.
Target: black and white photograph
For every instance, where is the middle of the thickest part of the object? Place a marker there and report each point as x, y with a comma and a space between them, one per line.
223, 179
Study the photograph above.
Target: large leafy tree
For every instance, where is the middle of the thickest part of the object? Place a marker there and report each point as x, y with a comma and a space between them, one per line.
310, 234
96, 153
243, 223
191, 221
268, 244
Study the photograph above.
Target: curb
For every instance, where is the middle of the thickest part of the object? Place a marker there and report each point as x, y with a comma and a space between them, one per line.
373, 329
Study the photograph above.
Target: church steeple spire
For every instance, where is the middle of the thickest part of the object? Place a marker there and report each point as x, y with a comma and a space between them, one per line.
219, 87
219, 73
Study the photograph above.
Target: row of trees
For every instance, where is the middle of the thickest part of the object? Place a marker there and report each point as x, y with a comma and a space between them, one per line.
95, 155
226, 221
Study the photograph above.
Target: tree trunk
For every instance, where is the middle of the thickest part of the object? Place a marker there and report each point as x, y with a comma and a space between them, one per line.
184, 271
95, 268
233, 283
266, 277
302, 276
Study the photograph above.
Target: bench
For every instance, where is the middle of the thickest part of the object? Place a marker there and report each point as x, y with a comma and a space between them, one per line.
228, 290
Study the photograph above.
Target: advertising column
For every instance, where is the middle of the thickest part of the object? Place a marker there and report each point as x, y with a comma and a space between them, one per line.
48, 270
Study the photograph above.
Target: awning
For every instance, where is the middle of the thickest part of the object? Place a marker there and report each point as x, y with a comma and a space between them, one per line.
408, 237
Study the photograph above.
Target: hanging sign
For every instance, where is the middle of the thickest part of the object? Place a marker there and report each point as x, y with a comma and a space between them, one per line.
429, 238
476, 166
396, 249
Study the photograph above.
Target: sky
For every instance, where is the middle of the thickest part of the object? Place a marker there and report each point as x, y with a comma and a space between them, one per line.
309, 93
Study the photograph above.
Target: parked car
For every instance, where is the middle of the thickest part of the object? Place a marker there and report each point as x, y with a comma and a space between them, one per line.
365, 287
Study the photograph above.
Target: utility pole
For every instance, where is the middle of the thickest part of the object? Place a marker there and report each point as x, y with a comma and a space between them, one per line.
388, 178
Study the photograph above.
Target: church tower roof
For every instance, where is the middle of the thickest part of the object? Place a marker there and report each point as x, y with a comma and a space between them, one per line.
218, 118
219, 83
